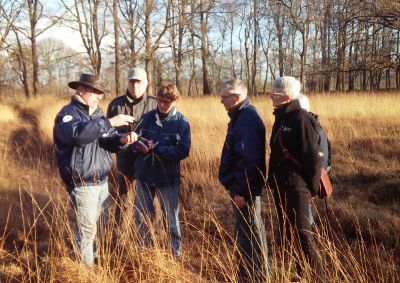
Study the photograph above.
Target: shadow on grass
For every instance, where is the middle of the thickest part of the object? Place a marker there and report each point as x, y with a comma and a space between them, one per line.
27, 141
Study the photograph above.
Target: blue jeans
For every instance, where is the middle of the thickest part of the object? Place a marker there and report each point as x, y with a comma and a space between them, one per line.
252, 242
310, 214
90, 202
144, 213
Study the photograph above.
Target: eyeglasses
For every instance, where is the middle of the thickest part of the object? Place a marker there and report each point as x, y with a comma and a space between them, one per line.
100, 96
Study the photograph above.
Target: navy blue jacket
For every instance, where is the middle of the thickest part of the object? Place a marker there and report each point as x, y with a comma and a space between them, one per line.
82, 145
242, 169
162, 166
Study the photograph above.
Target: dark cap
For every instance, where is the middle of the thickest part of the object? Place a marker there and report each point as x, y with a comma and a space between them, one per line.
89, 80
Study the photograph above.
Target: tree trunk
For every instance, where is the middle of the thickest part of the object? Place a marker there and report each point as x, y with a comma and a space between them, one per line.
116, 46
303, 56
22, 72
255, 49
247, 56
279, 29
149, 53
233, 72
204, 54
33, 18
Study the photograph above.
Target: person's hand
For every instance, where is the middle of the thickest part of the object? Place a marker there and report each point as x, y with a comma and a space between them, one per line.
121, 120
151, 144
239, 200
142, 147
129, 138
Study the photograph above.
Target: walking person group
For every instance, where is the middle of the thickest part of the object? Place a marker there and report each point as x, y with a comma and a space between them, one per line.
151, 137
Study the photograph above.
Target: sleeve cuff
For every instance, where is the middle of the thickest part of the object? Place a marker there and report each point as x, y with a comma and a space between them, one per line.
107, 123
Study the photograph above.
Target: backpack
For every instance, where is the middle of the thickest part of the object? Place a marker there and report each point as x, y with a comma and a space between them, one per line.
324, 144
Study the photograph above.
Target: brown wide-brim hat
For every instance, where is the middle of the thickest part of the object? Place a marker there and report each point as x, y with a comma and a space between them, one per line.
91, 81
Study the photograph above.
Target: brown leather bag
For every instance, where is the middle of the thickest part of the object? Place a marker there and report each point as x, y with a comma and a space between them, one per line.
325, 186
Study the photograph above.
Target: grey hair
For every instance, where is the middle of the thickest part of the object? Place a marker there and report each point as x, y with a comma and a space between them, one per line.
235, 86
287, 85
304, 102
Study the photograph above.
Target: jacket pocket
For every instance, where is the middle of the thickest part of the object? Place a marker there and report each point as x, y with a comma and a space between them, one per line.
169, 139
229, 141
77, 163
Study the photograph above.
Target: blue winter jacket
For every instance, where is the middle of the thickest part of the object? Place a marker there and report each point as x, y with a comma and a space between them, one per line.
172, 135
82, 145
242, 170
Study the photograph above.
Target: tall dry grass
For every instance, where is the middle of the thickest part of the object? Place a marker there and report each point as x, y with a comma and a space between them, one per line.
358, 238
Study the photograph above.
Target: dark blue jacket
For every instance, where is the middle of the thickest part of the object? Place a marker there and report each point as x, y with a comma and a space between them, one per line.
242, 169
82, 145
162, 166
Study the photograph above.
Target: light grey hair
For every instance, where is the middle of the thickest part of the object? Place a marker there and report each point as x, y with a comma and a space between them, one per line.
287, 85
235, 86
304, 102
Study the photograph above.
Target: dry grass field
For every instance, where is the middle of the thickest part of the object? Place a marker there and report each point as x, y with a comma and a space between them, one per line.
358, 236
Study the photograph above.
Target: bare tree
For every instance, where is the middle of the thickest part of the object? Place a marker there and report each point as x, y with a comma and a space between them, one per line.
19, 54
300, 14
279, 19
153, 37
130, 28
89, 18
326, 44
204, 9
9, 10
27, 25
178, 28
116, 46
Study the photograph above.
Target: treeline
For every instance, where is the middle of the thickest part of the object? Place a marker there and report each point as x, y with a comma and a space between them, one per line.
342, 45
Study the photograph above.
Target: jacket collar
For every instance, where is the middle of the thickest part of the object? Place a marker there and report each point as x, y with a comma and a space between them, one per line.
76, 101
131, 100
82, 106
171, 114
245, 103
287, 108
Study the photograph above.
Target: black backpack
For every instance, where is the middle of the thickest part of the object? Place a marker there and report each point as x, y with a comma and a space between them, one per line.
323, 143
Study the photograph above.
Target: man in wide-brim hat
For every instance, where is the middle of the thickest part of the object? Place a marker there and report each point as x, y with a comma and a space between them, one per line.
84, 139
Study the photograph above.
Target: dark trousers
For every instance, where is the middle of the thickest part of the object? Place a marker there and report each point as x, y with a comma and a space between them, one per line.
252, 242
126, 182
293, 204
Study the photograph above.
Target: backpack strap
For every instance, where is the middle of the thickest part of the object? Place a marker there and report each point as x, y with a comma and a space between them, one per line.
286, 152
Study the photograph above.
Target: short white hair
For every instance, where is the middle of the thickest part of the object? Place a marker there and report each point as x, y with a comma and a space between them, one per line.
290, 86
304, 102
235, 86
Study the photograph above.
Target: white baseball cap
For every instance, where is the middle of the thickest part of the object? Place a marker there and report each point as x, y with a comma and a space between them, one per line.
137, 74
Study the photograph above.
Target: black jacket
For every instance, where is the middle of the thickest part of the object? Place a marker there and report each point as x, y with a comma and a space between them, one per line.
125, 105
300, 137
82, 145
242, 169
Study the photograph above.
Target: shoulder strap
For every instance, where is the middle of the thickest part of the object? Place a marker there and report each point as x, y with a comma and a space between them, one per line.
286, 151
